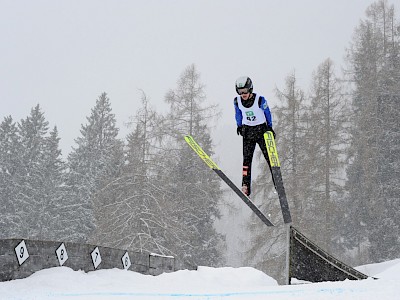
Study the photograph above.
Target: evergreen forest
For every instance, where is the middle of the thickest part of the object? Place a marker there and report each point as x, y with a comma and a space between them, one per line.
338, 141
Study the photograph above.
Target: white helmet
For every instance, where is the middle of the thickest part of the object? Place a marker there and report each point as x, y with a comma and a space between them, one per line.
244, 82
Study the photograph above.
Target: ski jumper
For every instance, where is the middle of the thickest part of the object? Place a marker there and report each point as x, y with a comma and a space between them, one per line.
254, 116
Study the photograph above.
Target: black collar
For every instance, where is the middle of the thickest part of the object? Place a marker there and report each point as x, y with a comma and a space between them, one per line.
248, 103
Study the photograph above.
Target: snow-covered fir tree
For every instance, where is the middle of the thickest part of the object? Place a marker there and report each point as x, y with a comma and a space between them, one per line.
94, 162
53, 195
134, 215
9, 189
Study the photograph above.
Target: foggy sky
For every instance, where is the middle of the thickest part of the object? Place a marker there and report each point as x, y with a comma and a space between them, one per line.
63, 54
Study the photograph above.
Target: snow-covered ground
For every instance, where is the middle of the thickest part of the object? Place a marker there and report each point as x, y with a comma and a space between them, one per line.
206, 283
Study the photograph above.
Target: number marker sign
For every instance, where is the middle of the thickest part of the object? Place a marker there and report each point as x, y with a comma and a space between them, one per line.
126, 261
62, 254
96, 257
22, 252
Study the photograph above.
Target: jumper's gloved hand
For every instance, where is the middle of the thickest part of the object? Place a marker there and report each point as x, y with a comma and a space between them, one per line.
239, 130
273, 132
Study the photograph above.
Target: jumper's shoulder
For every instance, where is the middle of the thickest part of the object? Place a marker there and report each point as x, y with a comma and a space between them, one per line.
262, 102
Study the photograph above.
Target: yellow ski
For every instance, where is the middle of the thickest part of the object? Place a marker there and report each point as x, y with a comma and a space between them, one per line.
200, 152
276, 173
271, 147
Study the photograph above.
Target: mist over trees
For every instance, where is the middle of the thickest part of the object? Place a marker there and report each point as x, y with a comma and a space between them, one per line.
373, 172
339, 148
148, 193
338, 142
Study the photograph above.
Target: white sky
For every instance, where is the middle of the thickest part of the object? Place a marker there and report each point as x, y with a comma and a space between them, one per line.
63, 54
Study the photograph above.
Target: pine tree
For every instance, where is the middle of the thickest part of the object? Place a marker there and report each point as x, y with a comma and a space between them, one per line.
9, 167
134, 217
372, 181
96, 161
31, 171
53, 194
385, 241
31, 180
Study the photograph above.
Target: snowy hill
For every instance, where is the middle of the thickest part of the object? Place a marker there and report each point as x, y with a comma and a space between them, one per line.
388, 269
206, 283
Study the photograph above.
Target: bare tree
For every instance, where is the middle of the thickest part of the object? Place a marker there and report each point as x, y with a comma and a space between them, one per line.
326, 145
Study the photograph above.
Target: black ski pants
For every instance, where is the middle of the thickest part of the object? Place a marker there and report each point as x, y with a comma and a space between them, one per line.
253, 135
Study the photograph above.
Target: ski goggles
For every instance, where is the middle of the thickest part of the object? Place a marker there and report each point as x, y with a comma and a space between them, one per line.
243, 91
